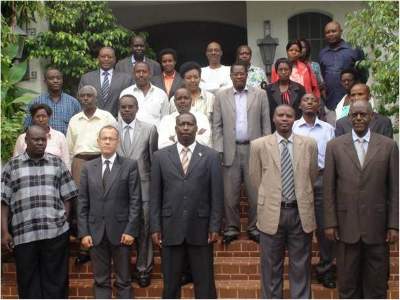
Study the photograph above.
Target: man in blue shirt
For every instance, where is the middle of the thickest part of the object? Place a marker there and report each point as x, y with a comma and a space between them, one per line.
334, 58
63, 105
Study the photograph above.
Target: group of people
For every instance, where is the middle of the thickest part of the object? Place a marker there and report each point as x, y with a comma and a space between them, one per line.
150, 156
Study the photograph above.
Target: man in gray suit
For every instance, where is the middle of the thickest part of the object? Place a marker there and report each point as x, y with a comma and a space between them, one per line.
108, 83
109, 214
186, 209
139, 142
138, 46
378, 124
361, 205
241, 114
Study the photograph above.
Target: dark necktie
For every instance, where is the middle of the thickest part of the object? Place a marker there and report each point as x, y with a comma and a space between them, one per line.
106, 174
288, 192
105, 88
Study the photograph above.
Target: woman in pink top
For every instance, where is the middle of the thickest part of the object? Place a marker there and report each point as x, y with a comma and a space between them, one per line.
301, 72
56, 141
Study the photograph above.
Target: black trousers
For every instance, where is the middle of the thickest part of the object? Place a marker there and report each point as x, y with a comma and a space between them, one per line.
201, 264
42, 268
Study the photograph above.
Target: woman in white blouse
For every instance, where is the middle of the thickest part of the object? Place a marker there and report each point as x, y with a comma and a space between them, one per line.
202, 101
56, 141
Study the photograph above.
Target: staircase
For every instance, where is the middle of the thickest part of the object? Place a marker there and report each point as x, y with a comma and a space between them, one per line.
236, 267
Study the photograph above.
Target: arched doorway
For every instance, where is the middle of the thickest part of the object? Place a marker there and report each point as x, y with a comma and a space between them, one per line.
189, 39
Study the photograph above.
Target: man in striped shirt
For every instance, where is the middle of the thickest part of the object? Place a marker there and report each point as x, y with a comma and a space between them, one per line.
36, 192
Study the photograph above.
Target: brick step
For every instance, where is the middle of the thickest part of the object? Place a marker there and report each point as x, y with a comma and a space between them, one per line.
82, 289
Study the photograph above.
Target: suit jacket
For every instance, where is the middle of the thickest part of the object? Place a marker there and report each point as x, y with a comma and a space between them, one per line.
363, 202
265, 174
224, 120
186, 207
296, 91
379, 124
144, 144
119, 82
115, 209
158, 81
125, 66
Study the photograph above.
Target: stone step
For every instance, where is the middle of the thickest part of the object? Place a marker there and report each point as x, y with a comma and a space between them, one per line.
83, 289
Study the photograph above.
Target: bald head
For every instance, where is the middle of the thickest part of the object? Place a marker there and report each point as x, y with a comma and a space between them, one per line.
360, 91
361, 104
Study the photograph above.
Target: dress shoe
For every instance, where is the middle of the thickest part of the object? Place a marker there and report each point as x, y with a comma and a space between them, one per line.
229, 238
327, 280
186, 278
82, 259
254, 237
144, 279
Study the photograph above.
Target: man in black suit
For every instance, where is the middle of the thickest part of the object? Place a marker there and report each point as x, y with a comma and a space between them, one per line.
109, 214
107, 82
186, 207
378, 124
138, 46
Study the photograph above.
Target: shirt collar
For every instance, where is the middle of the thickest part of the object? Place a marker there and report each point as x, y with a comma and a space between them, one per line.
131, 124
191, 147
280, 138
134, 60
302, 122
169, 76
246, 89
95, 115
26, 157
366, 137
110, 72
111, 159
136, 88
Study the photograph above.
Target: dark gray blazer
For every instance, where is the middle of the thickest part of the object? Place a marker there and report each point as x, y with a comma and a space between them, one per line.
144, 144
158, 81
119, 82
379, 124
125, 66
114, 210
186, 207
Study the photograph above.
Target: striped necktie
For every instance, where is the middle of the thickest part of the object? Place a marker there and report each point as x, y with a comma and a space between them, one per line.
288, 192
105, 88
185, 159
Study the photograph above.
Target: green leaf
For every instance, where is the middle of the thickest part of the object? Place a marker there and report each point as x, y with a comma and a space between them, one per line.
17, 72
11, 51
24, 99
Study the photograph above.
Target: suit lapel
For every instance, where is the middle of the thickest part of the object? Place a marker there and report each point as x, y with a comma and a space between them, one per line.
114, 174
175, 159
273, 148
231, 99
197, 156
135, 138
373, 149
97, 86
98, 173
297, 151
250, 98
276, 95
351, 151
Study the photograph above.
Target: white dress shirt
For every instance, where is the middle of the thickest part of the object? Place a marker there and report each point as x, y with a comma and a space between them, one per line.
191, 147
110, 74
111, 159
366, 138
167, 135
321, 132
152, 106
214, 79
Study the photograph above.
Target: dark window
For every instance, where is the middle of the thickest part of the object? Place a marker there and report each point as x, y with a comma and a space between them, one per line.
309, 26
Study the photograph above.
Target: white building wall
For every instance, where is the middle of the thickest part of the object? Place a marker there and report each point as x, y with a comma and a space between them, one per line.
279, 12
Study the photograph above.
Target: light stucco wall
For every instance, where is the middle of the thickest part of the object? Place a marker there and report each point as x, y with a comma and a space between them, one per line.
279, 13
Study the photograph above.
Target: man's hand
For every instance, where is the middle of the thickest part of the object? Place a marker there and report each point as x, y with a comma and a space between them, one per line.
127, 239
7, 241
392, 236
156, 237
201, 131
332, 234
212, 237
87, 242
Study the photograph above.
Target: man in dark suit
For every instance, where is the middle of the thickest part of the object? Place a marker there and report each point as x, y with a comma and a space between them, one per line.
139, 142
378, 124
109, 214
169, 80
186, 207
108, 83
138, 46
361, 205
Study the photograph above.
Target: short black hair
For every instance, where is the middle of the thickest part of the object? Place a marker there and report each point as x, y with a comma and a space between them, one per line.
240, 48
283, 60
35, 107
52, 67
352, 71
188, 66
138, 36
294, 42
186, 113
238, 63
168, 51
